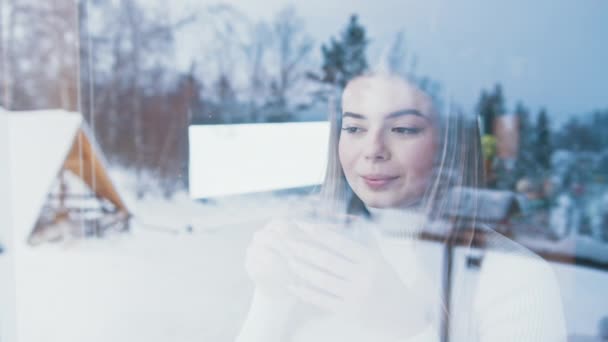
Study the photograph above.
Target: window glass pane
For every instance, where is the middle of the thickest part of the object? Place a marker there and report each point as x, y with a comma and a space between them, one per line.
275, 171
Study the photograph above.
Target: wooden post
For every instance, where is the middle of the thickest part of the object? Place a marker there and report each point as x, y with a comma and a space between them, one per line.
446, 288
8, 304
62, 210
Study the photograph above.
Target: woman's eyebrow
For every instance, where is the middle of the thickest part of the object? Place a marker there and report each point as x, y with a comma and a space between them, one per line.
354, 115
405, 112
390, 116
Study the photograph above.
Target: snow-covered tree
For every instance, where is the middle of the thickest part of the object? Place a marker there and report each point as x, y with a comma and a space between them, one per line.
291, 50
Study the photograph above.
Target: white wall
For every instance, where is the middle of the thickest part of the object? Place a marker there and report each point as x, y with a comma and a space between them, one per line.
245, 158
7, 258
4, 177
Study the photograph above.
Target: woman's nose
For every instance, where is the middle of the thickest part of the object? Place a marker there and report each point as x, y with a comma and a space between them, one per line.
376, 148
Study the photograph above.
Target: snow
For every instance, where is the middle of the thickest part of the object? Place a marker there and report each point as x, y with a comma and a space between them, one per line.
157, 283
161, 282
39, 143
4, 178
284, 155
7, 288
152, 286
148, 286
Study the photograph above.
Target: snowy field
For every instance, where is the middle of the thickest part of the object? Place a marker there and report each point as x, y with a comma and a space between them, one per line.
163, 283
146, 286
160, 282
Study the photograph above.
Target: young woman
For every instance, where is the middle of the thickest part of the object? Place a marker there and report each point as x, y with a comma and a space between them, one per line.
395, 163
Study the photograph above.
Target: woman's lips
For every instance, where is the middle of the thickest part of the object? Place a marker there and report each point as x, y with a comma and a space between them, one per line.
378, 181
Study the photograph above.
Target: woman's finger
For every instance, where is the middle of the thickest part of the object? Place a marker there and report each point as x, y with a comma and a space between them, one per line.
321, 258
269, 239
315, 277
315, 297
280, 226
337, 243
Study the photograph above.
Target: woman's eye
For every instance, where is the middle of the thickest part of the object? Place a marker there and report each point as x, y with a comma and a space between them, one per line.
406, 130
352, 129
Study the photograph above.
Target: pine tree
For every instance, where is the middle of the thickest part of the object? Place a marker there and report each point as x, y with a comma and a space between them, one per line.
526, 163
484, 111
490, 106
498, 101
355, 43
543, 148
344, 58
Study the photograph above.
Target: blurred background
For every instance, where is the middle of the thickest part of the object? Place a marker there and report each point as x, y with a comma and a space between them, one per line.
139, 143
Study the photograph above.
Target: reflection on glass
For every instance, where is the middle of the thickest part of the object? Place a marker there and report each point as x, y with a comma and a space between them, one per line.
397, 165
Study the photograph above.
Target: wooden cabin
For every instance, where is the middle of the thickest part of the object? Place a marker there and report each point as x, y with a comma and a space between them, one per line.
60, 185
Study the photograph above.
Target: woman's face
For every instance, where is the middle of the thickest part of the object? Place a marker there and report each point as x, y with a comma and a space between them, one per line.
388, 141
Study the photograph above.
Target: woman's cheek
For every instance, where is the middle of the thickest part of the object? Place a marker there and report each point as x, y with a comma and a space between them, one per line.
418, 159
426, 161
346, 154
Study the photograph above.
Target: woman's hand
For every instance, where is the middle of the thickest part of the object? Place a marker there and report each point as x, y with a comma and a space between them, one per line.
346, 278
266, 264
266, 260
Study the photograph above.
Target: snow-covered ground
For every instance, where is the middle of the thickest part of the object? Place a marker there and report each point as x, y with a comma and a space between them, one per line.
145, 286
162, 283
159, 282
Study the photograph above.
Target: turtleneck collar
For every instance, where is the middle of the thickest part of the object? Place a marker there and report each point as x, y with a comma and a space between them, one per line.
398, 221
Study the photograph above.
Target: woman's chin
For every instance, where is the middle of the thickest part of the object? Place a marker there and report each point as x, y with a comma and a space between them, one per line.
387, 201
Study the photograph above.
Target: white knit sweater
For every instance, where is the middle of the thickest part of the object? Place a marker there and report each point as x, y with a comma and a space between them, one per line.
515, 297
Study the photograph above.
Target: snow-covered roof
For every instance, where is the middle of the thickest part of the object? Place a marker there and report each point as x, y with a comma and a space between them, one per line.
39, 143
